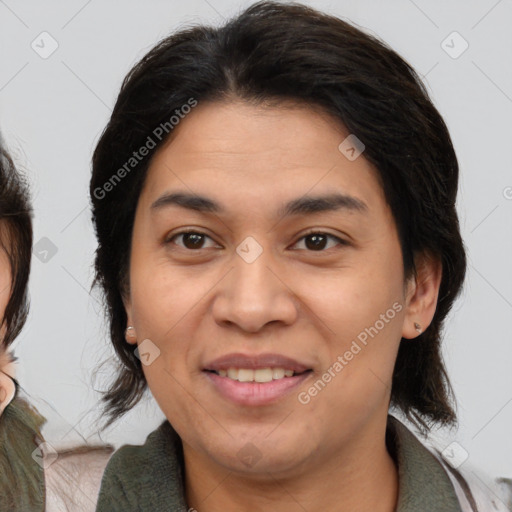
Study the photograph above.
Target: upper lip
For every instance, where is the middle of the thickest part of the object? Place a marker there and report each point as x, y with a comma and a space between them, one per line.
255, 361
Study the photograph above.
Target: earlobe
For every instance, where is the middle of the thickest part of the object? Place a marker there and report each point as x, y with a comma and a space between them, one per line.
130, 335
422, 296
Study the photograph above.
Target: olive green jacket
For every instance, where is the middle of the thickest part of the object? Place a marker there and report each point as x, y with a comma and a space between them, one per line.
34, 477
149, 478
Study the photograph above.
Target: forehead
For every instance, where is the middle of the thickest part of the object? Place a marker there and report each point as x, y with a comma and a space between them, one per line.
254, 156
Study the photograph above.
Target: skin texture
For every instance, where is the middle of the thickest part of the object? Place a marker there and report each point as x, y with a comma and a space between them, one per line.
5, 287
308, 304
5, 293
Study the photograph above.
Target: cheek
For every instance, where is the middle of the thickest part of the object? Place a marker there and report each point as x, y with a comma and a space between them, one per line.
159, 294
354, 298
5, 290
163, 302
362, 306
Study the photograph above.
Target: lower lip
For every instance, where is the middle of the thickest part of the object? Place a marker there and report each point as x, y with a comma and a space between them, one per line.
255, 393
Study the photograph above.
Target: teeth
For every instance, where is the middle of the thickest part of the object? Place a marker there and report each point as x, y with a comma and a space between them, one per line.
259, 375
278, 373
245, 375
263, 375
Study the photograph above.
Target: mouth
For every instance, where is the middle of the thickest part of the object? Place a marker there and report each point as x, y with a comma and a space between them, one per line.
260, 375
255, 379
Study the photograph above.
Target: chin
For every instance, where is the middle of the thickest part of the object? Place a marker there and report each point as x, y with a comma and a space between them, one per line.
261, 455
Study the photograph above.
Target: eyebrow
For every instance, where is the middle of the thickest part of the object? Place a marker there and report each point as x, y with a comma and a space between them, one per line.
301, 206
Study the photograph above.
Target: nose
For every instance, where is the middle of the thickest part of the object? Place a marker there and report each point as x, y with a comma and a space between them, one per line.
254, 294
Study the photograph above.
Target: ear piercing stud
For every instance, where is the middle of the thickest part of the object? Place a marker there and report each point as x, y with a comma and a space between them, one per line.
417, 326
129, 332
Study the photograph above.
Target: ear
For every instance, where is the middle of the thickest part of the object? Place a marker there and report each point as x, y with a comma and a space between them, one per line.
130, 335
422, 292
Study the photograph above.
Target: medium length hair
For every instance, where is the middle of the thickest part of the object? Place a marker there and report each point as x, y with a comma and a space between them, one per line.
273, 54
16, 240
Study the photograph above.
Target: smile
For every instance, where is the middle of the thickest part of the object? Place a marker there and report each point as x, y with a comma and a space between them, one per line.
260, 375
255, 379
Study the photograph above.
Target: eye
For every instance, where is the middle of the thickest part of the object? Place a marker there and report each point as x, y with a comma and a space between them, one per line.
191, 239
316, 240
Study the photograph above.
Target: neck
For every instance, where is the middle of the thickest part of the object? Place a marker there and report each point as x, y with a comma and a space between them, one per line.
366, 480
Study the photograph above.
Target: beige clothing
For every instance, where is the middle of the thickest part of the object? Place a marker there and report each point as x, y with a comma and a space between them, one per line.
73, 480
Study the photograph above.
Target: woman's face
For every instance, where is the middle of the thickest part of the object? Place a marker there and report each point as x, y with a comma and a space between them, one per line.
251, 294
5, 287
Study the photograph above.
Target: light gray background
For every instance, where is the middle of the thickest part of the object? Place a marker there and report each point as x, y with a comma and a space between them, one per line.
52, 111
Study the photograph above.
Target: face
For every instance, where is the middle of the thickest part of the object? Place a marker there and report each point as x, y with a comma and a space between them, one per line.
270, 314
5, 287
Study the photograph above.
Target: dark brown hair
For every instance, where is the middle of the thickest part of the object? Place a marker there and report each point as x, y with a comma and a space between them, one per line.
20, 423
16, 241
21, 477
274, 53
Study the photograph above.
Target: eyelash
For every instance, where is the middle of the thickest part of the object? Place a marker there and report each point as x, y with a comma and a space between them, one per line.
309, 233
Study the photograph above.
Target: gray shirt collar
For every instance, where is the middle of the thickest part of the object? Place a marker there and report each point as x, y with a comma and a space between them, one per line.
149, 478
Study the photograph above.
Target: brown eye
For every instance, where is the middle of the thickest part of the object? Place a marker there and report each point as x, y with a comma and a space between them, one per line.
314, 241
318, 241
190, 239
